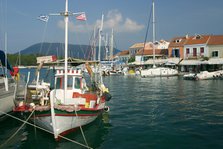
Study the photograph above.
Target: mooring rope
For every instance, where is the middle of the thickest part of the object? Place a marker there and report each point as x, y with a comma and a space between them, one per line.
82, 132
17, 130
73, 141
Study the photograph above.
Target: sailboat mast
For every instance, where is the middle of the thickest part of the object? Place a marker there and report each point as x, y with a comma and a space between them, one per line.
100, 34
94, 45
66, 48
111, 45
154, 34
6, 77
106, 46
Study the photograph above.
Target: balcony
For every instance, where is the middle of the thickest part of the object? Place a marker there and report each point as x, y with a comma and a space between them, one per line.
194, 56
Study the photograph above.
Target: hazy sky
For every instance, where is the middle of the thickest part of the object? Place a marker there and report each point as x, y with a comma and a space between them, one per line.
128, 18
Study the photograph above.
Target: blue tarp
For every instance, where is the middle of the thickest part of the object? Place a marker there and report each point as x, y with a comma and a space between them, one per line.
2, 59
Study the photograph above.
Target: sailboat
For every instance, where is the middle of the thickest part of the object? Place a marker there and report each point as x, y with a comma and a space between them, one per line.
157, 71
20, 66
72, 103
7, 87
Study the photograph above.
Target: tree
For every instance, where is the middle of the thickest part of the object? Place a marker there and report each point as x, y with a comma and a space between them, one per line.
132, 59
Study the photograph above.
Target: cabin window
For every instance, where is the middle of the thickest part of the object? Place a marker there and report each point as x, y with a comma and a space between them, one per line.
59, 83
215, 54
77, 83
69, 82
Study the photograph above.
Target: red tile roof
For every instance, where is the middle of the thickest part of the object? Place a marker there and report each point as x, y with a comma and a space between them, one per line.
197, 39
178, 41
216, 40
123, 53
150, 52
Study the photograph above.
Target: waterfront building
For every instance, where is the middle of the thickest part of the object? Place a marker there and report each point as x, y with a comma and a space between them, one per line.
122, 57
135, 48
199, 52
176, 47
146, 54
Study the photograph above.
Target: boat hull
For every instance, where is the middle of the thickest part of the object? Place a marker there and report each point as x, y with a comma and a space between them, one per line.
205, 75
159, 72
65, 122
6, 100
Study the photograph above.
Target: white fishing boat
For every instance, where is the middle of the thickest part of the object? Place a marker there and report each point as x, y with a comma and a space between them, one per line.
157, 71
72, 103
7, 87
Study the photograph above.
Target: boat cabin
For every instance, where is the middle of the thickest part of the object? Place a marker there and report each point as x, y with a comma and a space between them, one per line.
76, 87
75, 80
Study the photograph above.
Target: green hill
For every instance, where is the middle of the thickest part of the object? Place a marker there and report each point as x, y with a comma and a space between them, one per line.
76, 51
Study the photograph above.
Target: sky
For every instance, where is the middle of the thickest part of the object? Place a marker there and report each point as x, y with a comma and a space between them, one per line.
128, 18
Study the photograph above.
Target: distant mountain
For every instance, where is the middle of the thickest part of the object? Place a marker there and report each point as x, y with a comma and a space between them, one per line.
77, 51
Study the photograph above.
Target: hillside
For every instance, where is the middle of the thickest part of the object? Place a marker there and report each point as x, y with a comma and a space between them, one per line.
77, 51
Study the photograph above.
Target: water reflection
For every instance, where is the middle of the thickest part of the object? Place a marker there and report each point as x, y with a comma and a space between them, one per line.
12, 135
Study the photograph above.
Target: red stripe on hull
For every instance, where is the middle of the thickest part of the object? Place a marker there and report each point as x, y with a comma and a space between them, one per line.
66, 132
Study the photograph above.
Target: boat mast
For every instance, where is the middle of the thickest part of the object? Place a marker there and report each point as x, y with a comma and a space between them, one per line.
66, 48
6, 71
100, 34
106, 46
111, 45
154, 34
94, 45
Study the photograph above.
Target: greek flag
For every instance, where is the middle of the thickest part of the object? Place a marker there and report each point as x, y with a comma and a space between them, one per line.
43, 18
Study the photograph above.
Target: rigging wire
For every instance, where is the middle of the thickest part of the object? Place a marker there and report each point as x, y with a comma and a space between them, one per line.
43, 38
147, 30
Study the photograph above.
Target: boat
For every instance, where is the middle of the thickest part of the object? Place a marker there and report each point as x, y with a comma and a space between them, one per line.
190, 76
205, 75
71, 103
7, 87
157, 71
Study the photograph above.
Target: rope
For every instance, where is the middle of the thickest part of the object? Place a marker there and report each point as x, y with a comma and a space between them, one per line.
73, 141
17, 130
82, 132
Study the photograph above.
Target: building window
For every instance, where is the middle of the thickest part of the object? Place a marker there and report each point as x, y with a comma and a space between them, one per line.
178, 40
202, 50
187, 51
194, 51
214, 53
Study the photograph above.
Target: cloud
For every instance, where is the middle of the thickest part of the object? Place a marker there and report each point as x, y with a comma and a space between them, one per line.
113, 19
72, 26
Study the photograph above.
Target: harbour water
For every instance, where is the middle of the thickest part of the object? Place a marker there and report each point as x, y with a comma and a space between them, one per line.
168, 113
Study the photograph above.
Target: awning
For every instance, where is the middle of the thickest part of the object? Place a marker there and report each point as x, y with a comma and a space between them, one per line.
157, 61
172, 61
215, 61
190, 62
